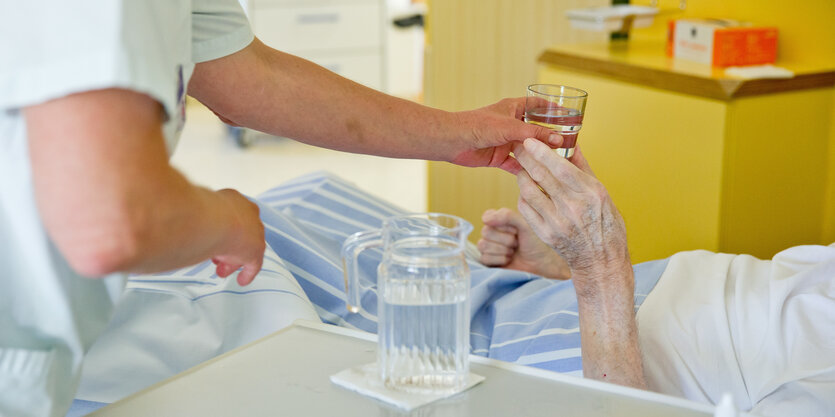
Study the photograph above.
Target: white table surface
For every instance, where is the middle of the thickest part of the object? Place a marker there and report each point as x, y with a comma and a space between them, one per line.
287, 374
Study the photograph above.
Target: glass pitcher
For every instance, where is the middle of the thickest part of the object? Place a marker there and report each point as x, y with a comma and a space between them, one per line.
423, 285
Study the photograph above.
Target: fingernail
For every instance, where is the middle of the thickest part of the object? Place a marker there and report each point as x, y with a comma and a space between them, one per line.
517, 147
555, 140
530, 144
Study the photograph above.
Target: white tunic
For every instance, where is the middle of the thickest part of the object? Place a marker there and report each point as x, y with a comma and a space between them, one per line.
49, 316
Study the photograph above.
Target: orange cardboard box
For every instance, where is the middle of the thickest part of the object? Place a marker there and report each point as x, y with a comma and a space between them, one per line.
721, 43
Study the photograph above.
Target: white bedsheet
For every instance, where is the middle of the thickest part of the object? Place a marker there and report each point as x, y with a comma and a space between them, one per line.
762, 330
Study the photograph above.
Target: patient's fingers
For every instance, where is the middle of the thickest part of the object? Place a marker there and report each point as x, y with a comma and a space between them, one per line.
536, 199
557, 171
504, 237
492, 248
532, 216
537, 171
495, 260
580, 161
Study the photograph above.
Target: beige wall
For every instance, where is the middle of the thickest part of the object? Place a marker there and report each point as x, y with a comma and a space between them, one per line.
478, 52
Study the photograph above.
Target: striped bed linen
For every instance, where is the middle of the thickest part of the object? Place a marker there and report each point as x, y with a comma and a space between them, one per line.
168, 322
516, 316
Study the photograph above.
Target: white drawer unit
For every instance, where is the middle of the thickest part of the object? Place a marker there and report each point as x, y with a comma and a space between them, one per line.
344, 36
319, 27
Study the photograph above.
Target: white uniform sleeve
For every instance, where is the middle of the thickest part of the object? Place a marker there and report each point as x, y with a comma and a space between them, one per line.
53, 48
219, 28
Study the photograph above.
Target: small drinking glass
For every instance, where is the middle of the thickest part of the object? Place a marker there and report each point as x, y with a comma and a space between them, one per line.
559, 108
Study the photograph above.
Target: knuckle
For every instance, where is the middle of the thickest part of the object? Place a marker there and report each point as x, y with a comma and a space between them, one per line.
504, 214
600, 191
481, 245
486, 230
520, 203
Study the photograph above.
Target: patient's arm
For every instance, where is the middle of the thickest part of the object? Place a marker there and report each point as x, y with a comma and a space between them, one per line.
270, 91
111, 202
571, 211
507, 241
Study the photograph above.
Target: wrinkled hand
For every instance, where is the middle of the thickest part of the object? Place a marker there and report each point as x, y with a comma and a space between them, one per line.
507, 241
571, 211
244, 248
492, 132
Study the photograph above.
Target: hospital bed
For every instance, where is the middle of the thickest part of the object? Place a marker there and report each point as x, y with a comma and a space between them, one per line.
167, 323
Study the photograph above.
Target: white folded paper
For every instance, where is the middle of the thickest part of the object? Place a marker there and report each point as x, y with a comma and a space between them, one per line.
365, 380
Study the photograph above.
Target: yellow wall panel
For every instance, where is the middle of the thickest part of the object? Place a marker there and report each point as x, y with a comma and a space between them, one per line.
829, 211
775, 178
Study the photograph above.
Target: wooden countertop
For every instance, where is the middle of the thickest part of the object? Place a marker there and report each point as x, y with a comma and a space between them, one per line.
646, 63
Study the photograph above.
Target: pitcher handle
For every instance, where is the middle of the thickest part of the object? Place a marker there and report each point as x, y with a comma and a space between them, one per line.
351, 249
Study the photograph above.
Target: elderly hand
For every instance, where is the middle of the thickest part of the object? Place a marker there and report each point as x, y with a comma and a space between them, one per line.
492, 132
507, 241
571, 211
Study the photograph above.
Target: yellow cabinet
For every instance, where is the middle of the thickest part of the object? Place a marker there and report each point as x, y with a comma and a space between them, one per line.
695, 160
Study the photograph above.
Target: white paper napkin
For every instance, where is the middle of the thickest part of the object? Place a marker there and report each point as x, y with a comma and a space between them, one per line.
365, 380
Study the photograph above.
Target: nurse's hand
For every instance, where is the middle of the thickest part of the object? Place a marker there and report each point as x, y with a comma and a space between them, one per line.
571, 211
492, 131
244, 246
508, 241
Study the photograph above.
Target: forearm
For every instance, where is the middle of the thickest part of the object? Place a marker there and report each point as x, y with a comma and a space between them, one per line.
289, 96
608, 331
177, 224
136, 225
106, 193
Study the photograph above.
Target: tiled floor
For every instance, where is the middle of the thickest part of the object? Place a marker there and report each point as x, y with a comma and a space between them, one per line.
207, 156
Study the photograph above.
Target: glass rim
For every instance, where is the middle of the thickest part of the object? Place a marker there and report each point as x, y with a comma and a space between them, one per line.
581, 93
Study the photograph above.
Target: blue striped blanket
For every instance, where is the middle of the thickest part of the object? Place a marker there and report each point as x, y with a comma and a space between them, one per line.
516, 316
166, 323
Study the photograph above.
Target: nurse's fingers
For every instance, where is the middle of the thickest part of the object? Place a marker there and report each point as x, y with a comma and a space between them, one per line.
247, 275
224, 269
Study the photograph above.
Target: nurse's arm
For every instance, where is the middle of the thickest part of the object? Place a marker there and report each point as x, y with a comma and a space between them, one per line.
110, 201
270, 91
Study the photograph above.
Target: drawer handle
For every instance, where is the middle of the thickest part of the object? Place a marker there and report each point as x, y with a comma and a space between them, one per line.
317, 18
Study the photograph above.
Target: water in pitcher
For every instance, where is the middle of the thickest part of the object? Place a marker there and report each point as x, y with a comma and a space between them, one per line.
424, 317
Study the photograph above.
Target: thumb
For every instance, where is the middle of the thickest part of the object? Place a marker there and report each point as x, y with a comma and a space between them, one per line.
541, 133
